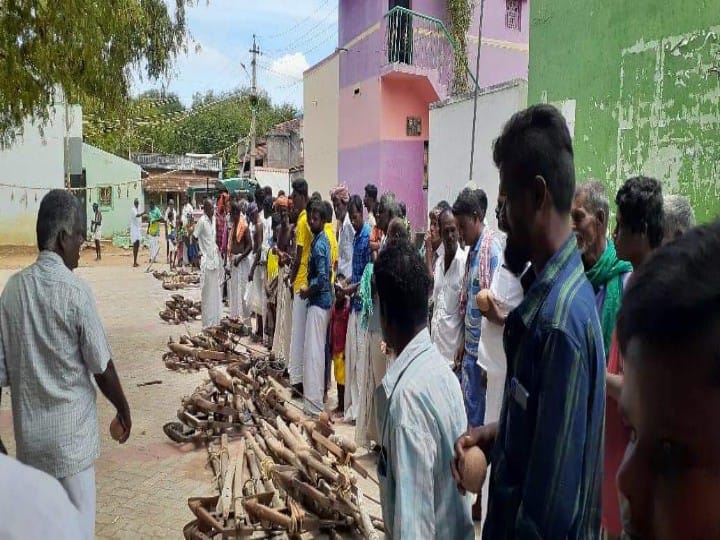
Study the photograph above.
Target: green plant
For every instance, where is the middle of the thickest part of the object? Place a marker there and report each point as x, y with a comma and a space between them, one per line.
460, 15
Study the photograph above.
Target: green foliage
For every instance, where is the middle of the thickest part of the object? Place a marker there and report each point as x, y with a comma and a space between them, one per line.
460, 15
84, 49
214, 122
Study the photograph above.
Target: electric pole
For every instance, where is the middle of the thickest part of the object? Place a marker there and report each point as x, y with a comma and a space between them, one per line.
253, 104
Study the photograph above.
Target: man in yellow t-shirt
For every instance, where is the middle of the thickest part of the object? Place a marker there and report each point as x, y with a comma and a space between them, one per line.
299, 279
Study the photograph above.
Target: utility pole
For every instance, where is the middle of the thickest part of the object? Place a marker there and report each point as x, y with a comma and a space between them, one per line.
477, 85
253, 103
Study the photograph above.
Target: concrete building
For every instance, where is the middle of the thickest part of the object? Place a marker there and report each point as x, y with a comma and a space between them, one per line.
114, 183
321, 95
395, 60
35, 163
449, 156
639, 83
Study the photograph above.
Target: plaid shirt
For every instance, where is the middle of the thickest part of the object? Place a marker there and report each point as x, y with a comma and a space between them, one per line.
360, 259
547, 461
51, 343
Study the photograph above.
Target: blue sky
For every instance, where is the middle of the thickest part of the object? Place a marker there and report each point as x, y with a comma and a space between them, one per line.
292, 35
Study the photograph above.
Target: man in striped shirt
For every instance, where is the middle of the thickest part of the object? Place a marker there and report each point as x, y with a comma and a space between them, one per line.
546, 449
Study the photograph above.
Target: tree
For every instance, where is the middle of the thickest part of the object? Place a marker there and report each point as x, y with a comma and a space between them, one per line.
86, 50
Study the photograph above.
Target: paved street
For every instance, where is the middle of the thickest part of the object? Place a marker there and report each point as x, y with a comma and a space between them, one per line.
143, 485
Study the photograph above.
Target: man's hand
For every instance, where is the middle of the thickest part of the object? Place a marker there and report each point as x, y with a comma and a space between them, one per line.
126, 423
304, 293
459, 356
483, 437
494, 314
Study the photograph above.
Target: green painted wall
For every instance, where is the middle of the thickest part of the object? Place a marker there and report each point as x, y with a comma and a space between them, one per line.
643, 79
103, 170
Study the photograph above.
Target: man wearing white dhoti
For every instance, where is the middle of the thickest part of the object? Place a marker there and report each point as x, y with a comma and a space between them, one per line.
135, 230
283, 310
239, 249
211, 269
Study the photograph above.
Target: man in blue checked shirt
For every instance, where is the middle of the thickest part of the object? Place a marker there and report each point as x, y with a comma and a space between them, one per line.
419, 409
319, 301
546, 449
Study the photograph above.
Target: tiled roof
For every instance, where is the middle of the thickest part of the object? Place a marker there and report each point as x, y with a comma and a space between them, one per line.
164, 183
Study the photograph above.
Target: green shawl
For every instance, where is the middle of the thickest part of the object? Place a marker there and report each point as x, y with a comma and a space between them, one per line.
366, 293
608, 271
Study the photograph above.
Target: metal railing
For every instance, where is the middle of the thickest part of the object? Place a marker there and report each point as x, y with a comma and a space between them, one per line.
418, 40
176, 162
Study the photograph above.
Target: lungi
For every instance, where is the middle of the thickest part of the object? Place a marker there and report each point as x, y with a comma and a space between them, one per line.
154, 247
474, 386
242, 285
211, 296
80, 488
256, 291
314, 360
283, 318
354, 360
374, 366
297, 340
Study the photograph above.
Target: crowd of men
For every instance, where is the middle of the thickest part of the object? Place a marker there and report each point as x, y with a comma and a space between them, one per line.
551, 345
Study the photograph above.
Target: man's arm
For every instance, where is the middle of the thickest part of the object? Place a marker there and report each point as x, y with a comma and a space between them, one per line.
413, 454
550, 494
613, 385
109, 384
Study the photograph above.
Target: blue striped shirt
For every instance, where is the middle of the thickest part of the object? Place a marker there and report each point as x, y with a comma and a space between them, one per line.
360, 259
547, 460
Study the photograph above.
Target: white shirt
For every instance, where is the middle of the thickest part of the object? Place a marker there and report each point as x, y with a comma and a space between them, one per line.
135, 223
51, 343
447, 321
345, 245
34, 504
187, 212
205, 234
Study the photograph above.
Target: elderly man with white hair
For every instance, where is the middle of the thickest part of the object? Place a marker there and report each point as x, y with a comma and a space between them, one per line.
211, 268
52, 346
678, 217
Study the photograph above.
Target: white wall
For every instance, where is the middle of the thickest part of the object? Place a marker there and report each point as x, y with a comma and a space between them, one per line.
277, 179
34, 160
321, 101
450, 140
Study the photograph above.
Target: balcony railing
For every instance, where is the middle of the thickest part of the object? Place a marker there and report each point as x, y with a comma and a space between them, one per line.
174, 162
424, 42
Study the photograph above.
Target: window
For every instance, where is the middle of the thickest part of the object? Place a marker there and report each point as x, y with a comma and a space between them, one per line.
413, 126
512, 14
105, 197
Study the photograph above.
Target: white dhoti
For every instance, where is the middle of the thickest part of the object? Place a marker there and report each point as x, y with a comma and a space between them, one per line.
234, 292
154, 247
256, 291
243, 269
80, 488
373, 370
283, 318
297, 340
211, 296
354, 352
314, 361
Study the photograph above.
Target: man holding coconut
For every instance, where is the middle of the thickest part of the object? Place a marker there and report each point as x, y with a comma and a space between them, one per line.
546, 449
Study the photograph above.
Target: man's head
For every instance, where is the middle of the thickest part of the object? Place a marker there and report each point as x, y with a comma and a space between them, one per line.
235, 212
589, 214
678, 217
316, 216
340, 196
397, 230
403, 209
281, 206
59, 226
355, 209
136, 203
387, 209
469, 210
339, 291
639, 227
95, 207
208, 207
171, 203
370, 200
267, 205
152, 205
449, 231
268, 191
402, 282
534, 155
299, 195
669, 334
328, 212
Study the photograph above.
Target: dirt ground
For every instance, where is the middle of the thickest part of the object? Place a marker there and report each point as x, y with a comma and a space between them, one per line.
143, 485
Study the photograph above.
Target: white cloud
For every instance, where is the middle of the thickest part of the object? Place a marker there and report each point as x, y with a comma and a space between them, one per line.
291, 65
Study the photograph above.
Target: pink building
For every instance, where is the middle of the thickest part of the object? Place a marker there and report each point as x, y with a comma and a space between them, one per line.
395, 60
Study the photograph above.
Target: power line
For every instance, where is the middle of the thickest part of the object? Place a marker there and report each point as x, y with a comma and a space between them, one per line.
299, 23
310, 34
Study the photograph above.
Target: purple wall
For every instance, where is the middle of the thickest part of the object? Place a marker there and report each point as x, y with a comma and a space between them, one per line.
363, 60
355, 16
395, 166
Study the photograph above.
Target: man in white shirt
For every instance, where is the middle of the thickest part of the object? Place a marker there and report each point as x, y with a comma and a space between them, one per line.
186, 218
211, 268
340, 197
52, 346
169, 223
447, 320
136, 230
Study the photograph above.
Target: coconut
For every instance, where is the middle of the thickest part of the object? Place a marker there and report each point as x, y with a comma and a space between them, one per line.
483, 299
473, 469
